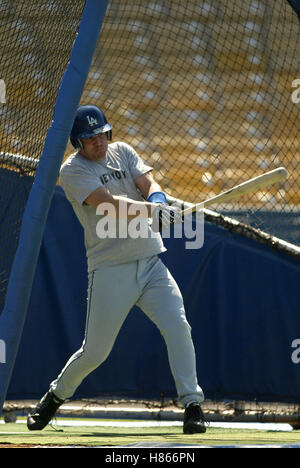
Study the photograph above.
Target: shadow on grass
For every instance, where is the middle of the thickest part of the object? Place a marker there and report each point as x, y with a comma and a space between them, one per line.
129, 434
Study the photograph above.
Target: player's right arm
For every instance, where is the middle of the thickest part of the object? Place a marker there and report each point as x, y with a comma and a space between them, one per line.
162, 215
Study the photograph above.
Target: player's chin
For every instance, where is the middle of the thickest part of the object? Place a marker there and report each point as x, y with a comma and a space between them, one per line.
99, 153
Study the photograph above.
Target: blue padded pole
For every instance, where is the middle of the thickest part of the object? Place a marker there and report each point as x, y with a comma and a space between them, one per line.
295, 4
35, 215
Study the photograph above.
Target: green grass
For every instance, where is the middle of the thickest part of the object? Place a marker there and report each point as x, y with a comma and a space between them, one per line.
17, 434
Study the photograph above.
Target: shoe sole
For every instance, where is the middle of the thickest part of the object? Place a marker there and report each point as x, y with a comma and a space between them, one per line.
198, 430
33, 425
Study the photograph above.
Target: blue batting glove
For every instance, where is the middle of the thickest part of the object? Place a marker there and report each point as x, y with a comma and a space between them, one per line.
157, 197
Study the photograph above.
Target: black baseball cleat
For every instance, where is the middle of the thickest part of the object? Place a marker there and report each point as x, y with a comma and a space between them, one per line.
43, 412
193, 420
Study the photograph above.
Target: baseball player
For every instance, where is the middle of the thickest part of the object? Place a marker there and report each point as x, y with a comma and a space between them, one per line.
123, 271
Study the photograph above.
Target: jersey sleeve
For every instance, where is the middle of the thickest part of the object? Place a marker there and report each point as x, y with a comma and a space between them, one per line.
78, 182
136, 165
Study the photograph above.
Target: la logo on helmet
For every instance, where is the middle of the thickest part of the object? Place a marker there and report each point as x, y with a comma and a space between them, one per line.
91, 120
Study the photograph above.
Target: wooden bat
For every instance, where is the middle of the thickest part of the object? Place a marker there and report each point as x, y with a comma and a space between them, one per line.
264, 180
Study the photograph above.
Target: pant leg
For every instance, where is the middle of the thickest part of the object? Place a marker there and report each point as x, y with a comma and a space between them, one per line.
112, 293
162, 302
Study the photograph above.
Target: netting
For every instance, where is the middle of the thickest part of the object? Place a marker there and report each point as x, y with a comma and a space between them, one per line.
36, 39
206, 93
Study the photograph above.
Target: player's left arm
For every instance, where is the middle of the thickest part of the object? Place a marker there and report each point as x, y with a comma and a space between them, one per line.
164, 215
147, 185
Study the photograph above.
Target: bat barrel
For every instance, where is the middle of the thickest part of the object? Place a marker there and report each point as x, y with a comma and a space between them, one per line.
261, 181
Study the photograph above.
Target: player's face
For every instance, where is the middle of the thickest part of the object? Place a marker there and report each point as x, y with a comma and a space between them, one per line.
95, 148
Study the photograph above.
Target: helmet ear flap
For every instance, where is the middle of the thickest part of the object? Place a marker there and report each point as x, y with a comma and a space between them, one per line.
76, 143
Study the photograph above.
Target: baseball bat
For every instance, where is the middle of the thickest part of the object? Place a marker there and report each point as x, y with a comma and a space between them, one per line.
261, 181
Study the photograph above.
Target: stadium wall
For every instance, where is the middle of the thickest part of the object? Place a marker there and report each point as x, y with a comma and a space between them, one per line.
242, 301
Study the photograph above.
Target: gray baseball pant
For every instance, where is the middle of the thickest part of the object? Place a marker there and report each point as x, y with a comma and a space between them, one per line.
113, 291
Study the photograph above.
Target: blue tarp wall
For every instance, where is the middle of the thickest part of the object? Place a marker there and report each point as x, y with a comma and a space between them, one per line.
241, 298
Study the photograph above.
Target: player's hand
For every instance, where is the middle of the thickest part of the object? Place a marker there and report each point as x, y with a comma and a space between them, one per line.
164, 216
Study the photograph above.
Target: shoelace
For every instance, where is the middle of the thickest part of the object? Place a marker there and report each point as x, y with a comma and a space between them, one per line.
53, 425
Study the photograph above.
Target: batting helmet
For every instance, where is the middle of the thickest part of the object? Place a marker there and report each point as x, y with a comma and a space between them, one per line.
89, 121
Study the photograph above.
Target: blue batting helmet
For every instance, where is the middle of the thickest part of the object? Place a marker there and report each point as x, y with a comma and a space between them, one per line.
89, 121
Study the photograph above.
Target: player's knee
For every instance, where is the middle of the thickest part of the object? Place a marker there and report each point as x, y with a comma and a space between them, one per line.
183, 327
93, 358
177, 329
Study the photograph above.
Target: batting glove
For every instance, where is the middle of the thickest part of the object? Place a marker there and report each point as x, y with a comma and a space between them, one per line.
164, 216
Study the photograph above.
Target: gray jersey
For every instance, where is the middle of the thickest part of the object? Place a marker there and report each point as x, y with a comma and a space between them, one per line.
79, 177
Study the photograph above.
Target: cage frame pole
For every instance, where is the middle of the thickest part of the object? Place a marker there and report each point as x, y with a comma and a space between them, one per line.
36, 211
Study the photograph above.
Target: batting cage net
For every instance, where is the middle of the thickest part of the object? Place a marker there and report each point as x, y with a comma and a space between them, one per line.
206, 92
36, 40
